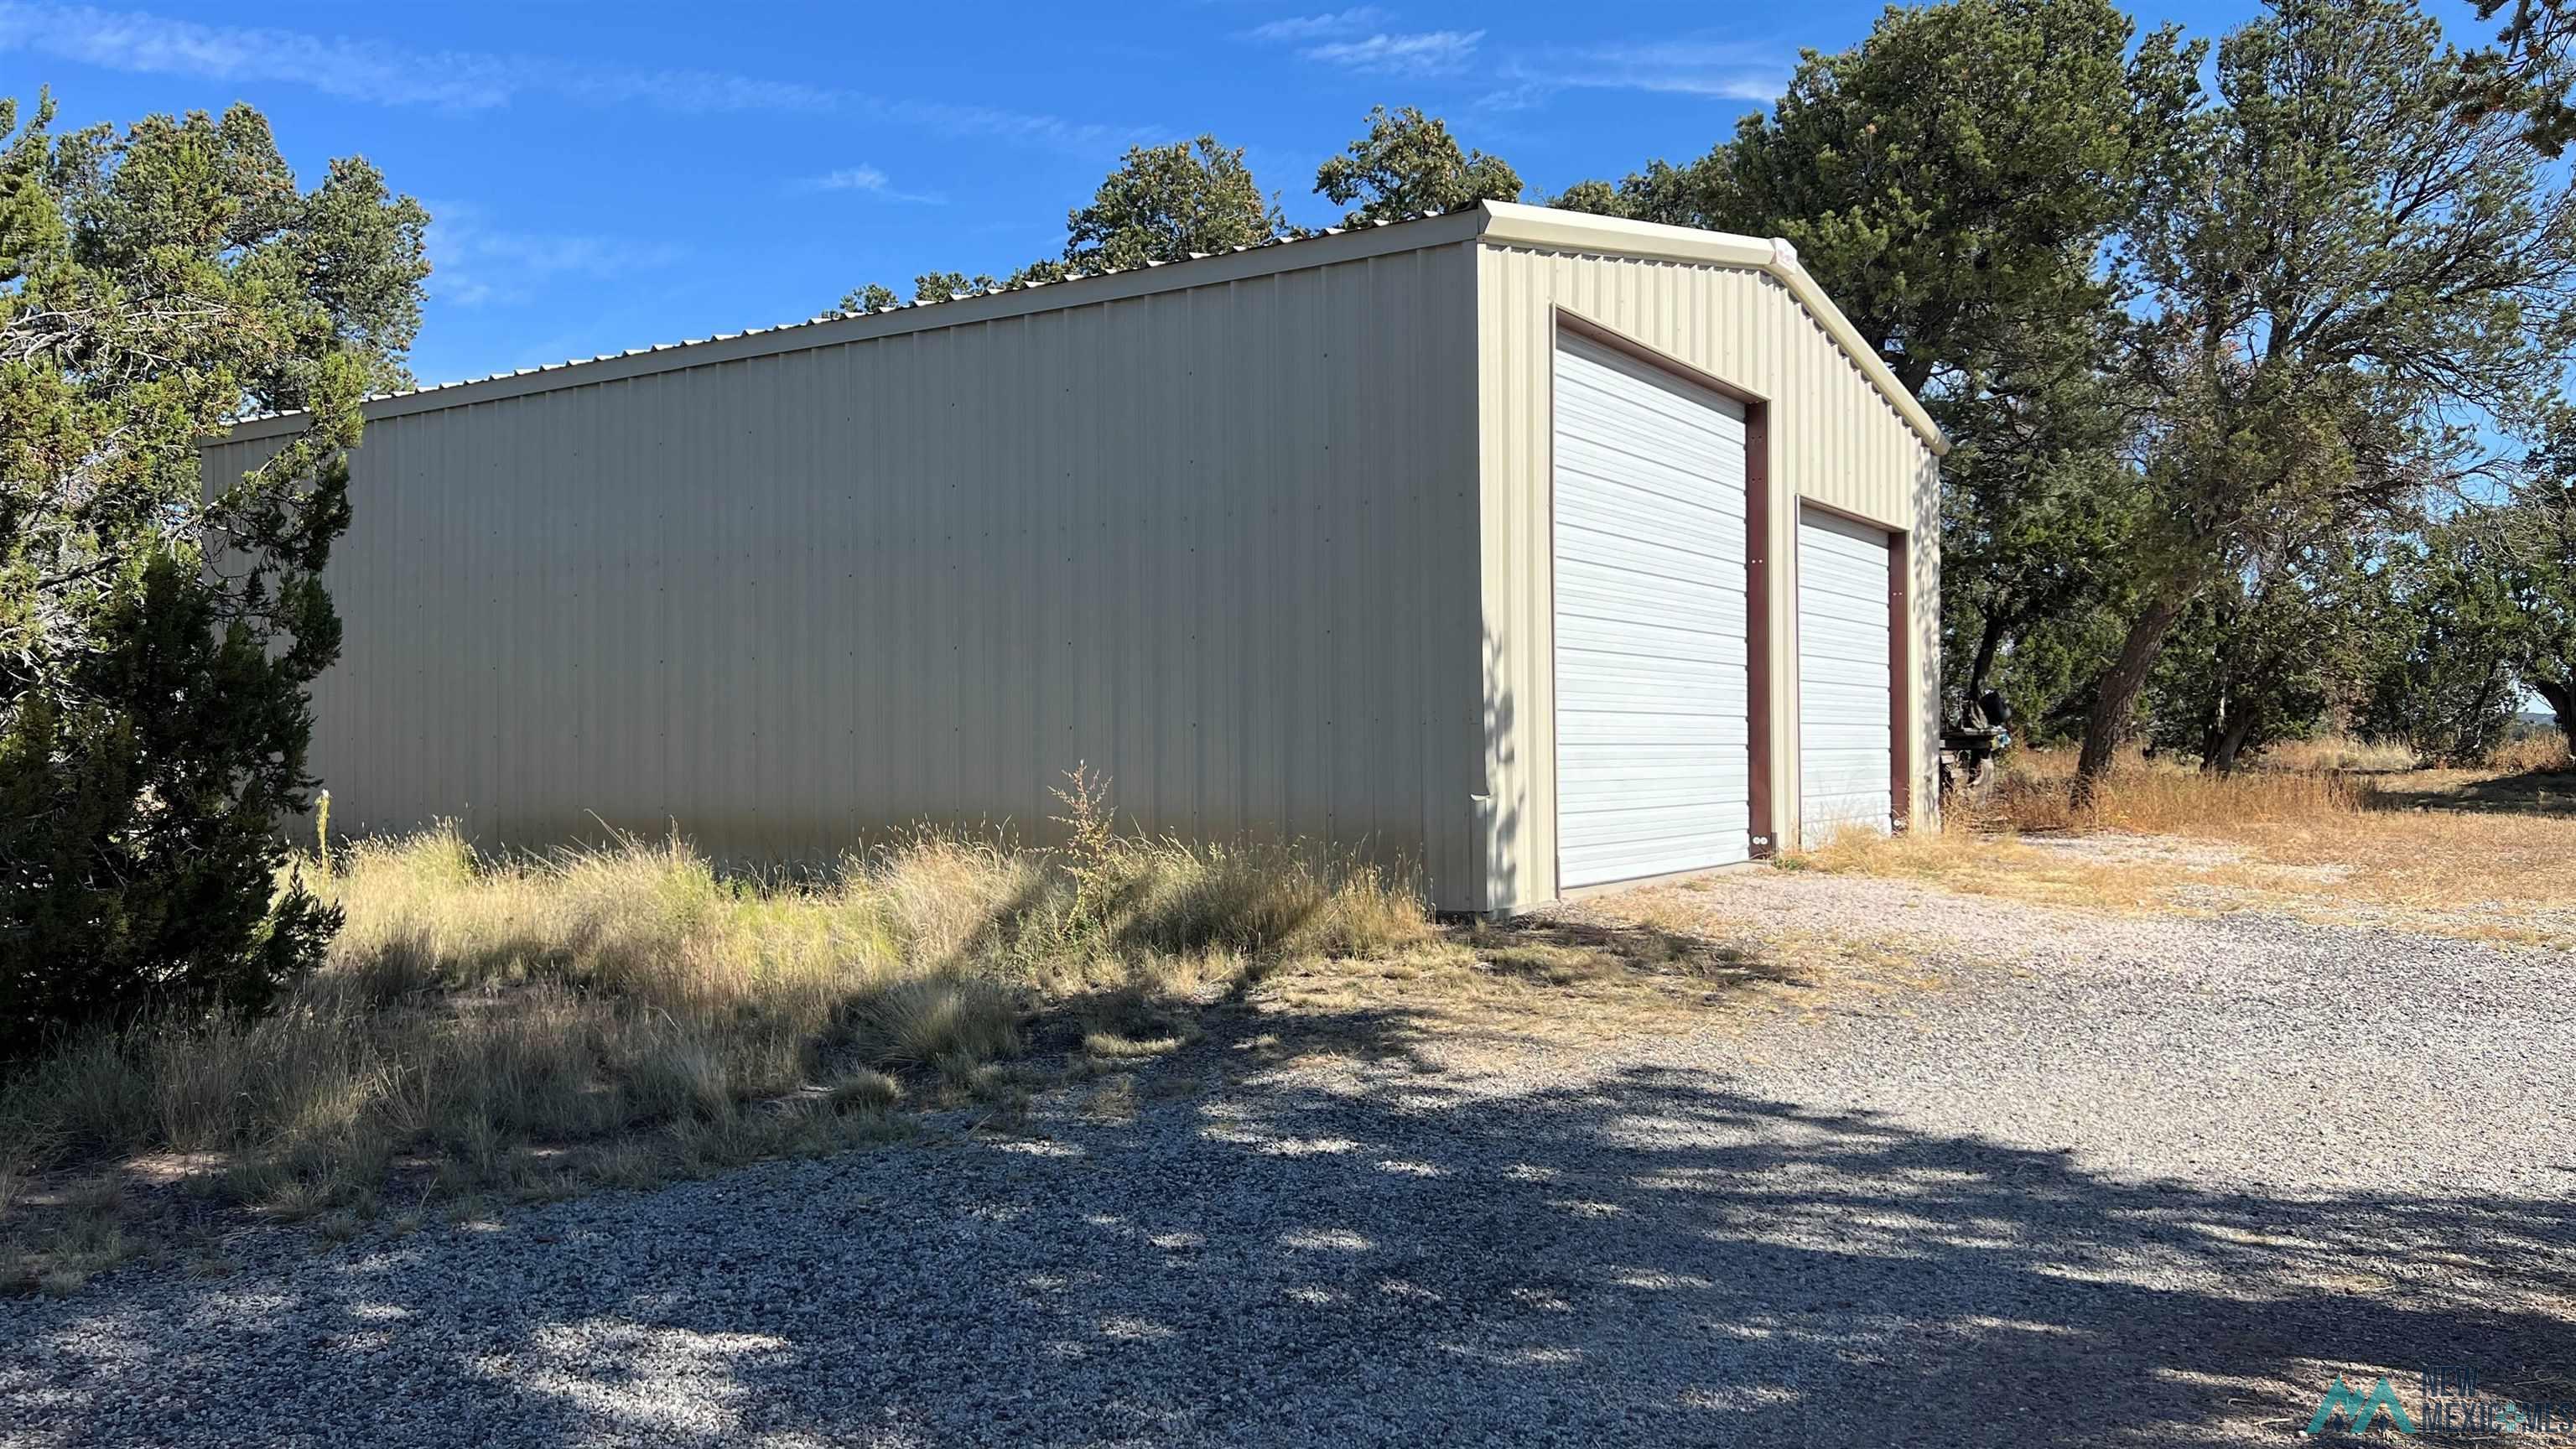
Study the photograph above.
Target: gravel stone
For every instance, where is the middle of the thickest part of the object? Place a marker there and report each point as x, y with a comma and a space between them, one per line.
2111, 1178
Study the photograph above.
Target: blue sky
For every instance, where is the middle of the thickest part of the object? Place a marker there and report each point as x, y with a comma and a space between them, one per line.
608, 177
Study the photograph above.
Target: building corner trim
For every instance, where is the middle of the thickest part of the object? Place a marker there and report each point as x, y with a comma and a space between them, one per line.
1510, 224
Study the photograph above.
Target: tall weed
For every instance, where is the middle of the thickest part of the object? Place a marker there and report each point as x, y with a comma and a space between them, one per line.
497, 1019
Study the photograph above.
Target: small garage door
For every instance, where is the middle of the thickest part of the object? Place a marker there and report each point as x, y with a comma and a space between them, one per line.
1652, 744
1845, 733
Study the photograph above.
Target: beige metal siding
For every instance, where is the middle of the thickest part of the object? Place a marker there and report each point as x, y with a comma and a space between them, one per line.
1216, 540
1834, 438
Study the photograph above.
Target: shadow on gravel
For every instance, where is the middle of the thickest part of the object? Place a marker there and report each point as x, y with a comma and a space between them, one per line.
1647, 1258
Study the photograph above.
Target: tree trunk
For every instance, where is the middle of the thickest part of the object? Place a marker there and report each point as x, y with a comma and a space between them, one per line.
2107, 726
2223, 760
2478, 743
1911, 368
2562, 703
2223, 719
1989, 643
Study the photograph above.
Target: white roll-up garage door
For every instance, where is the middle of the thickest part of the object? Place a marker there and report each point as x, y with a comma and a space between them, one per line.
1845, 736
1652, 744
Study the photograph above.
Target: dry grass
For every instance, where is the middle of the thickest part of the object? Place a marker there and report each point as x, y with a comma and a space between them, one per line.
2336, 752
2475, 854
2531, 752
514, 1028
2161, 798
2526, 751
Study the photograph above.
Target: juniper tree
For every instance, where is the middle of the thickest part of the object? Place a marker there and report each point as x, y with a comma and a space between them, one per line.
158, 630
2345, 280
2533, 543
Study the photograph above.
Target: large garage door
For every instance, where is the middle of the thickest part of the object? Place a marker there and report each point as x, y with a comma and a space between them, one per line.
1845, 736
1652, 747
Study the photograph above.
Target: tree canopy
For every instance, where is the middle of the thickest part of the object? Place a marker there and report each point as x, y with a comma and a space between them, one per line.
1408, 165
158, 630
2532, 543
1164, 203
2343, 279
1951, 177
1161, 204
2527, 71
1167, 203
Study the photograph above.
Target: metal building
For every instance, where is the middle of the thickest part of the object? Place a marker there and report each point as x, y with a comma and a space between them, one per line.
1537, 549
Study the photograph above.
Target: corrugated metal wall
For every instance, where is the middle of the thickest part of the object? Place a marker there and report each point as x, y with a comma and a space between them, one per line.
1834, 438
1215, 540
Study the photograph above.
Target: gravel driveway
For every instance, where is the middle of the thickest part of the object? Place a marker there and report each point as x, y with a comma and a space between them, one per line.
2113, 1179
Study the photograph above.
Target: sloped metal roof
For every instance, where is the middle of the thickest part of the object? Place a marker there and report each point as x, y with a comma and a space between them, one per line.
820, 319
1505, 223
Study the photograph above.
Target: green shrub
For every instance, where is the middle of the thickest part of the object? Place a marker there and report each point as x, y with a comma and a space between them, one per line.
160, 634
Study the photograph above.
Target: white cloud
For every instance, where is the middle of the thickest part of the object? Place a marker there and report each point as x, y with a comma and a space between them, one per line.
1715, 70
473, 264
851, 178
1421, 53
137, 42
1316, 27
1356, 39
868, 179
964, 120
155, 45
